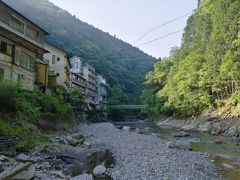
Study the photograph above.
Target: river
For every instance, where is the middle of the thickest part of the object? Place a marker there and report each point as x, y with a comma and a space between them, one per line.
226, 150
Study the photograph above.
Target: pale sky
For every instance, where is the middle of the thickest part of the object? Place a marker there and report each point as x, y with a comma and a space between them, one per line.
130, 19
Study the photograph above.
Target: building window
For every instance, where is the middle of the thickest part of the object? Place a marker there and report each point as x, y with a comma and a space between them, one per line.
6, 48
58, 59
27, 61
17, 24
1, 74
32, 33
53, 59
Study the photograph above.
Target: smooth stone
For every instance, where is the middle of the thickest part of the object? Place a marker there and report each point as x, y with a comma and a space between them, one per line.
126, 128
217, 141
12, 171
171, 144
227, 166
181, 134
59, 174
22, 158
42, 176
183, 145
27, 174
3, 158
99, 170
83, 177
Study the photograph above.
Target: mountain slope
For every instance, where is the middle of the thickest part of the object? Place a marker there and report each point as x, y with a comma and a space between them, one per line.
122, 65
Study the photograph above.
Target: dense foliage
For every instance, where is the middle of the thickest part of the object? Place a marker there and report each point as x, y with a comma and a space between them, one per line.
122, 65
18, 105
203, 74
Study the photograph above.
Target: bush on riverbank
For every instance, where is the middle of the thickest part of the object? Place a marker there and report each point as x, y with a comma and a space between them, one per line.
21, 110
29, 105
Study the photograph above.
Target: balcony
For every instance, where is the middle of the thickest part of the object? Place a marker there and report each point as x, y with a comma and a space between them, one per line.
16, 26
19, 27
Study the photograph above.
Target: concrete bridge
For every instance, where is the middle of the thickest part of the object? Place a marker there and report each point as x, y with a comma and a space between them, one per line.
127, 107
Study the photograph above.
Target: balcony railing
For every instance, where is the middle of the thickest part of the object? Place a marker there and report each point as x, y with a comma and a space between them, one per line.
16, 26
37, 38
6, 19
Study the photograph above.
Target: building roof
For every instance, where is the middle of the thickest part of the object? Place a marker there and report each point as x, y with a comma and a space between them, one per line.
5, 4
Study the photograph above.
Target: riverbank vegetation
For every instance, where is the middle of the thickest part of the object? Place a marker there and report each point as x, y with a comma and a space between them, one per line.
21, 111
203, 74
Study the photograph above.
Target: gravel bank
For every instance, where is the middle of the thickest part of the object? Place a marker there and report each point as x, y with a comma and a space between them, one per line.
147, 157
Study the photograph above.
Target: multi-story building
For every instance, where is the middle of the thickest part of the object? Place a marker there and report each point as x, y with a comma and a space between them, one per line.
102, 92
77, 79
93, 86
21, 45
58, 64
91, 77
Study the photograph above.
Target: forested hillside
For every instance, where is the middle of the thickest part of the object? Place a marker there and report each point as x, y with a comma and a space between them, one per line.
203, 75
123, 66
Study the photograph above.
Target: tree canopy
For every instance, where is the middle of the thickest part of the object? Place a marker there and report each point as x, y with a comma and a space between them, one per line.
203, 74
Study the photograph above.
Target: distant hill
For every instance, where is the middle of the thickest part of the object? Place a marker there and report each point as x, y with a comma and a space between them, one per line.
123, 65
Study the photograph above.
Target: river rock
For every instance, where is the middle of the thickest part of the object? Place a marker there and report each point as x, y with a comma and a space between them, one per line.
227, 166
126, 128
236, 139
183, 145
43, 176
3, 158
181, 134
78, 136
83, 177
22, 158
171, 144
217, 141
59, 174
27, 174
99, 170
180, 144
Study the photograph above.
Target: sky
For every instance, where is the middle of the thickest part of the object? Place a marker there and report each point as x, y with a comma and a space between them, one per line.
130, 19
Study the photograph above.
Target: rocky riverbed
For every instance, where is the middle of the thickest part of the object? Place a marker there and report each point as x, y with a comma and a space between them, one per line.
140, 156
211, 124
102, 151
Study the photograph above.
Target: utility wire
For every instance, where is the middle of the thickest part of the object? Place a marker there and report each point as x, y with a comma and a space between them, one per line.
164, 24
160, 37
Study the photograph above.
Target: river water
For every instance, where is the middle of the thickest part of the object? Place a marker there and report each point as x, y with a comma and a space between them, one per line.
226, 150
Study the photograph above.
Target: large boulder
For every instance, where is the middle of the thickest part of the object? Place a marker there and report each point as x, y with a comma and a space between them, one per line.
59, 174
3, 158
183, 145
180, 144
126, 128
99, 170
83, 177
27, 174
22, 158
181, 134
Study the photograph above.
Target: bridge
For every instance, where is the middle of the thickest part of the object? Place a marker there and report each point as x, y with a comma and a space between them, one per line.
127, 107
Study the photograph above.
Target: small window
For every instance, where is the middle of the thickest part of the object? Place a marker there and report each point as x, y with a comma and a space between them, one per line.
15, 20
57, 74
32, 33
27, 61
6, 48
53, 59
1, 74
58, 59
